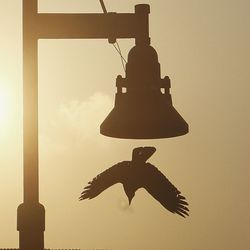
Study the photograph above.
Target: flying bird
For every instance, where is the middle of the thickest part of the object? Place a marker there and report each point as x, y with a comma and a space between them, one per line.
137, 174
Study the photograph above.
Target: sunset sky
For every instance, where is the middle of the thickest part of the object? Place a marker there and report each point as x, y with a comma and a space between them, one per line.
204, 47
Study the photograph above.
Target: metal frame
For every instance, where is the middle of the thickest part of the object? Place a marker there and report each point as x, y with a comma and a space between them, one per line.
31, 214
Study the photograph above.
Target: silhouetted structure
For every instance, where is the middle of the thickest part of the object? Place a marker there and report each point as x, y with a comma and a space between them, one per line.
143, 103
31, 214
137, 174
143, 85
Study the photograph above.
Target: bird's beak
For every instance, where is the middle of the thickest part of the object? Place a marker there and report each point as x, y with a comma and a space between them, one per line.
148, 152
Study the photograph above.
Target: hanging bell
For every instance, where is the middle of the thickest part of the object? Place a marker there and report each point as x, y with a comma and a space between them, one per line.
143, 104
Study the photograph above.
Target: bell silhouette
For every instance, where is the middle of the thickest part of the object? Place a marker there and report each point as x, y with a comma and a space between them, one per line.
143, 105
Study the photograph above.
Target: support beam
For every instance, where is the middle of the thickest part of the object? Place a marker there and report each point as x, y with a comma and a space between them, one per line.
96, 26
93, 26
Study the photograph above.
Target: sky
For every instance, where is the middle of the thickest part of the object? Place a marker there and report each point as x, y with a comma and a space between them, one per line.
203, 46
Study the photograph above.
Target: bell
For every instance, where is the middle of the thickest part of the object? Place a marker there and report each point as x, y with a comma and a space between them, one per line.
143, 104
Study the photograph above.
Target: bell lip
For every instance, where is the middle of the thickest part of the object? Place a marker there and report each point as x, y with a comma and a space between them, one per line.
150, 137
148, 133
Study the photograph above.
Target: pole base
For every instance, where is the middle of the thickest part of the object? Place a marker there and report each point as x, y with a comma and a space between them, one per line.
31, 226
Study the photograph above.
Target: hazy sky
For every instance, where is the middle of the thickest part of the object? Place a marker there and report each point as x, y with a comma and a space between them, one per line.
203, 47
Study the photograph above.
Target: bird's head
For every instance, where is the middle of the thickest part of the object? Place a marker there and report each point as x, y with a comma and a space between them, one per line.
130, 192
142, 154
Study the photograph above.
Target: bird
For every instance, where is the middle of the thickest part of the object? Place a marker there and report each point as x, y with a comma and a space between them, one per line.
137, 174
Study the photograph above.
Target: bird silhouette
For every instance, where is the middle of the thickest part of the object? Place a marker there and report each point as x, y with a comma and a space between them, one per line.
137, 174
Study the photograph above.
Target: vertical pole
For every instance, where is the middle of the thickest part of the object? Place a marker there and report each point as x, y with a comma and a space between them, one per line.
31, 214
30, 103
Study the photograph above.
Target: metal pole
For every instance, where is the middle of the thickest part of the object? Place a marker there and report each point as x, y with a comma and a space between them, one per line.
31, 214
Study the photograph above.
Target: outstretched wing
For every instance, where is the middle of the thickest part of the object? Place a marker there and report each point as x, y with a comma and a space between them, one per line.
106, 179
164, 191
